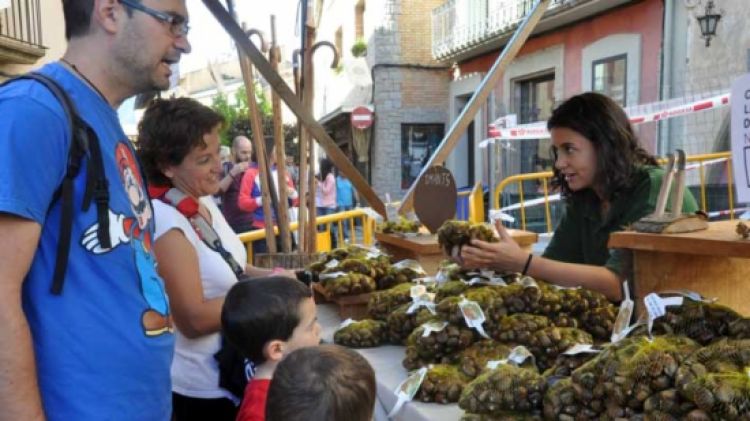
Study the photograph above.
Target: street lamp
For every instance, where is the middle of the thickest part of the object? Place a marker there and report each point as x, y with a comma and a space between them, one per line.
708, 22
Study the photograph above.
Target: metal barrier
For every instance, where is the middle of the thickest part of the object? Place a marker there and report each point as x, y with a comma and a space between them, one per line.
545, 177
323, 238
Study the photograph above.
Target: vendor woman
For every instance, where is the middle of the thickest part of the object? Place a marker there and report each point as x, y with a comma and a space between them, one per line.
608, 181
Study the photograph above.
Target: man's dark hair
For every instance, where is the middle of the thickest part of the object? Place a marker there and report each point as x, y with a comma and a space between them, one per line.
78, 17
325, 382
169, 130
257, 311
600, 120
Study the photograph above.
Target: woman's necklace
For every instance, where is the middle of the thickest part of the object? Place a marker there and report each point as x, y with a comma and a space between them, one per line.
84, 78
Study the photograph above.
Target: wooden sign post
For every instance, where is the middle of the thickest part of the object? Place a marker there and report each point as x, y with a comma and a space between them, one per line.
435, 198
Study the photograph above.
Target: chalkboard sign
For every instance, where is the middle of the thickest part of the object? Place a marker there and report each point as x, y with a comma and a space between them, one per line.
435, 198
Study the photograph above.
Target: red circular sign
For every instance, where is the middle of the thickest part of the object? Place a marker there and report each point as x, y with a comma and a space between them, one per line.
361, 118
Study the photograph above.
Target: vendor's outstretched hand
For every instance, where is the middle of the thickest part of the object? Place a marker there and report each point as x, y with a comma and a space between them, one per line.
505, 255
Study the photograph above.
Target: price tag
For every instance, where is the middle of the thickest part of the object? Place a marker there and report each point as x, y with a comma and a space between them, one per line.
657, 307
332, 264
425, 300
347, 322
528, 282
433, 326
417, 290
410, 264
407, 389
582, 349
331, 275
621, 327
473, 281
517, 356
473, 315
426, 281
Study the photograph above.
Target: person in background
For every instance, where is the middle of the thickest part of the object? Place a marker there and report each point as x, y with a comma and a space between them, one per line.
229, 186
326, 382
267, 319
179, 145
292, 169
101, 348
325, 200
346, 198
250, 198
608, 180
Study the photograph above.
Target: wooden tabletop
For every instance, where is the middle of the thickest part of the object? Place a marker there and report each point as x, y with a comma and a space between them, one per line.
720, 239
428, 244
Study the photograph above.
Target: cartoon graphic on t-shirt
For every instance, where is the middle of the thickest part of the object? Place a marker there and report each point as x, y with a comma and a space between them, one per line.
123, 229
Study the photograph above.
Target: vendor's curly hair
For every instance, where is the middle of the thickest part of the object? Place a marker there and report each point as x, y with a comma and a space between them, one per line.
169, 130
605, 124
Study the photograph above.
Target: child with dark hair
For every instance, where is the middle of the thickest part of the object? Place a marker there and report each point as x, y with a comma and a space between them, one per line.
326, 382
266, 319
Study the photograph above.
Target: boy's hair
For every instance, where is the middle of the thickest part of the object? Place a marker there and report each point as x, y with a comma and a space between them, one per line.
257, 311
325, 382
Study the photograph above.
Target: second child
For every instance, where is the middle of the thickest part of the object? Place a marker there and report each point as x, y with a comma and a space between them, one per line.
266, 319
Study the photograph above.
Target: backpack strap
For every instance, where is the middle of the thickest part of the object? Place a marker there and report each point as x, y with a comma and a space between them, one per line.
84, 142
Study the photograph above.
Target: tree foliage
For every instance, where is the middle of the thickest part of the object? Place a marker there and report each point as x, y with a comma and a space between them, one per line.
237, 118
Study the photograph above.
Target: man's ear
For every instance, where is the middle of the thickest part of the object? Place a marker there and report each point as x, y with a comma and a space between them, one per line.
106, 14
274, 350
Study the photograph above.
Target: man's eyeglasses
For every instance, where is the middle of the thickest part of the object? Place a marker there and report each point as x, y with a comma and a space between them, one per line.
177, 24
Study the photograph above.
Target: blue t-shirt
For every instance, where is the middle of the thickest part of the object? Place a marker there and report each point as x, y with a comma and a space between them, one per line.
344, 194
104, 346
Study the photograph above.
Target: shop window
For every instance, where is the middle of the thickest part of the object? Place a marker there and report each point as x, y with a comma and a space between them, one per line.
609, 77
418, 143
534, 100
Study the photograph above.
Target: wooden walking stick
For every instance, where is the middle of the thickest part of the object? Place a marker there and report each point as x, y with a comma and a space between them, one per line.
286, 94
305, 203
259, 144
278, 138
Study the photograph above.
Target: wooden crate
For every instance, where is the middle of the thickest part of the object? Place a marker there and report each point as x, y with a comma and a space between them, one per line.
349, 306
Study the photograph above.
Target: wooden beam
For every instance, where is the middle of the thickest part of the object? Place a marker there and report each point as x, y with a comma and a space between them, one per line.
479, 98
286, 94
278, 139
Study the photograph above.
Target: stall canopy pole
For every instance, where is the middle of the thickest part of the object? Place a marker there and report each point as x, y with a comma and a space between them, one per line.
279, 86
480, 97
278, 139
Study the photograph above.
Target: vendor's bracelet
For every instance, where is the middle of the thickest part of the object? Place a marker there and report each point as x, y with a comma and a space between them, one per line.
526, 266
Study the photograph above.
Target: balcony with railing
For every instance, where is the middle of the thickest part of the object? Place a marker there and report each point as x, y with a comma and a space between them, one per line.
21, 32
463, 27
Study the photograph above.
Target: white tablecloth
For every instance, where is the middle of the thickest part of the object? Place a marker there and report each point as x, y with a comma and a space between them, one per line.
389, 372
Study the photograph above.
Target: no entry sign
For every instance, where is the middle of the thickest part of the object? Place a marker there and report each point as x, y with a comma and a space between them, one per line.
361, 118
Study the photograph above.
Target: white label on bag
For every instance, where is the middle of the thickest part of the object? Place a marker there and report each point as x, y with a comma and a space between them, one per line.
621, 327
528, 282
425, 300
417, 290
409, 264
347, 322
516, 357
657, 307
473, 315
331, 275
582, 349
407, 389
473, 281
433, 326
332, 264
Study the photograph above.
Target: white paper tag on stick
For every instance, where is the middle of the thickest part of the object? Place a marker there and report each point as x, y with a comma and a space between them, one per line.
407, 389
473, 315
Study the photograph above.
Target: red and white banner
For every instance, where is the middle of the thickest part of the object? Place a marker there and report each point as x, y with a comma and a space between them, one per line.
538, 130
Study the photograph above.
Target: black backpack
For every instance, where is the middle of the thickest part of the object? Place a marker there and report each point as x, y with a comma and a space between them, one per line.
84, 145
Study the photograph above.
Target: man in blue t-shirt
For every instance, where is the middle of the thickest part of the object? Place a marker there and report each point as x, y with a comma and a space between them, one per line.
345, 198
101, 349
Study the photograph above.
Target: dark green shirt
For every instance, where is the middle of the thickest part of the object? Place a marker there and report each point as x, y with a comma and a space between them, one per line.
583, 232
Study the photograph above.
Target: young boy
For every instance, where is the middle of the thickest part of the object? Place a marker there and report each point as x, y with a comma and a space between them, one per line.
326, 382
266, 319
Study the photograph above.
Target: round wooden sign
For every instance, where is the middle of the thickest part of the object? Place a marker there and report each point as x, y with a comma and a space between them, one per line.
435, 198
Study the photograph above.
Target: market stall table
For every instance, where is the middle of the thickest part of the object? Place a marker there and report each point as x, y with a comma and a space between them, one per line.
386, 361
713, 263
425, 249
